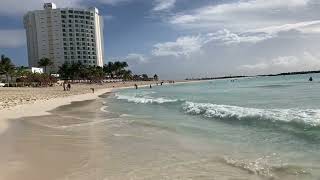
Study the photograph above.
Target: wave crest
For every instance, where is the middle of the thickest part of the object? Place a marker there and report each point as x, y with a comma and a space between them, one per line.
310, 117
145, 99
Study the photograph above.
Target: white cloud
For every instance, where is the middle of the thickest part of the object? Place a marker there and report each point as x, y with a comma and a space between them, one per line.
304, 27
161, 5
183, 46
227, 37
243, 14
12, 38
304, 62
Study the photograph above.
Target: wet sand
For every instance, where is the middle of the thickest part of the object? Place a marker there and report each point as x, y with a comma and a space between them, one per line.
85, 141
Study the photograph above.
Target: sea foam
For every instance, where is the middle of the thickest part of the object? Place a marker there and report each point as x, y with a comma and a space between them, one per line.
145, 99
310, 117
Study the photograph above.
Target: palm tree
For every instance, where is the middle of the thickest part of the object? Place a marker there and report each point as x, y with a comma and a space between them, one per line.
156, 77
6, 67
145, 77
45, 62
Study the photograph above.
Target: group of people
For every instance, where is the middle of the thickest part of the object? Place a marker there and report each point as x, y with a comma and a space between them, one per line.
66, 86
136, 86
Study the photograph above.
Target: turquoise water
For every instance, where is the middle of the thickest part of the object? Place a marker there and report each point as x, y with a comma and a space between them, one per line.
269, 126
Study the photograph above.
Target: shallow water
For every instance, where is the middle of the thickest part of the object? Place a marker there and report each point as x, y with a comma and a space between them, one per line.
258, 128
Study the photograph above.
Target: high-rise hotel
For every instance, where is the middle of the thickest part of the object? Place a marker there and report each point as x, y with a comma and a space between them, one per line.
64, 35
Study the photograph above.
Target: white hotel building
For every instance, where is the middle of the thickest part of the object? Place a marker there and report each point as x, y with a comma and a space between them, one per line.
65, 35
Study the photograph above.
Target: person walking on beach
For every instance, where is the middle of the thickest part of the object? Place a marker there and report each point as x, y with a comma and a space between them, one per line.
64, 86
69, 86
150, 86
92, 89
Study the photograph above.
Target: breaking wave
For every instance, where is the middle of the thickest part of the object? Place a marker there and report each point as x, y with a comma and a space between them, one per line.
310, 117
306, 117
145, 99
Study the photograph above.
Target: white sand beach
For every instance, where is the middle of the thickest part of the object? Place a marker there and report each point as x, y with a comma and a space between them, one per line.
23, 102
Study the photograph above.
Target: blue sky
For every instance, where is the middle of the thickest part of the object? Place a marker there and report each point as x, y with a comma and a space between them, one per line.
192, 38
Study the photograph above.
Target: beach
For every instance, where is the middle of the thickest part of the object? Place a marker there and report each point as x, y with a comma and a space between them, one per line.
205, 130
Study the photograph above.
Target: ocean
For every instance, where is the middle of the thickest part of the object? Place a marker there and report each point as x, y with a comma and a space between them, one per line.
266, 126
241, 129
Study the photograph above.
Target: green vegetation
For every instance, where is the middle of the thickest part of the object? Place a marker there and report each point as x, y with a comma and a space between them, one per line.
76, 72
45, 62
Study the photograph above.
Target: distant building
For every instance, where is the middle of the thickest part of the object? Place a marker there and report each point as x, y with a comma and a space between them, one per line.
64, 35
36, 70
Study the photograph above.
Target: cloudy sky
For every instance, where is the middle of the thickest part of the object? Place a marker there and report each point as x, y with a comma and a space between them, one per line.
192, 38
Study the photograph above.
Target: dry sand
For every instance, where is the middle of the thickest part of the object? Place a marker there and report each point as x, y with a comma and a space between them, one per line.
23, 102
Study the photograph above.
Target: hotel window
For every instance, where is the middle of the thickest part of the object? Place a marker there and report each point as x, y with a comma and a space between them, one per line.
72, 57
79, 57
63, 21
64, 44
70, 16
63, 25
78, 48
70, 11
85, 61
63, 30
76, 25
93, 62
79, 52
66, 57
65, 53
63, 12
70, 34
63, 16
71, 48
70, 21
70, 39
64, 34
70, 25
76, 21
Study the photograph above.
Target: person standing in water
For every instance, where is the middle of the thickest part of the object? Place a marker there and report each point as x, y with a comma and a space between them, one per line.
136, 86
310, 79
150, 86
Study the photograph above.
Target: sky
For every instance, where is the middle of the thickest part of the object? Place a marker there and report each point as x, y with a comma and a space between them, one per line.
191, 38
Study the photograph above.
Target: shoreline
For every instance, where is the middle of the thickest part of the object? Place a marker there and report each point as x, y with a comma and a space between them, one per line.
42, 107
